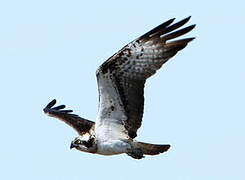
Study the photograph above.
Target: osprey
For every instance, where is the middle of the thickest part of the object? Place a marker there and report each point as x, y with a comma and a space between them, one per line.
121, 80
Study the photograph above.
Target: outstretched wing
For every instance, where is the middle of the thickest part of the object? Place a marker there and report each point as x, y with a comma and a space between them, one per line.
82, 126
125, 73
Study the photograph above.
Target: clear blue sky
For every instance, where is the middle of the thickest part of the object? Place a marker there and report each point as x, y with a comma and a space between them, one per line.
51, 49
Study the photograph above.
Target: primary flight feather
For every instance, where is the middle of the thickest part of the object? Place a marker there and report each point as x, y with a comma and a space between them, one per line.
121, 80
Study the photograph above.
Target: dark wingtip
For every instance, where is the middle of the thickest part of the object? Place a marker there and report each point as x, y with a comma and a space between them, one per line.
185, 20
192, 38
178, 33
66, 111
189, 17
156, 29
49, 108
59, 107
170, 21
50, 105
45, 110
181, 22
165, 148
192, 26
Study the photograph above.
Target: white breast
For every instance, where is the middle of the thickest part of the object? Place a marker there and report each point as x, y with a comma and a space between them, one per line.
113, 147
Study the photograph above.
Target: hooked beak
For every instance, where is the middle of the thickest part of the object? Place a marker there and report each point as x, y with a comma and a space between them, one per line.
72, 145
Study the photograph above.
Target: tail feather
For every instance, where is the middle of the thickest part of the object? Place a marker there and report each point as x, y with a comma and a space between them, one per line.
152, 149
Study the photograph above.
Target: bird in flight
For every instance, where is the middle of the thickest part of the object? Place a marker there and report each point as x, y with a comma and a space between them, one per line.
121, 80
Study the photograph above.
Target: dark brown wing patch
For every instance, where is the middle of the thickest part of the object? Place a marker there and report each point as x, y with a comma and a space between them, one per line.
81, 125
132, 95
133, 64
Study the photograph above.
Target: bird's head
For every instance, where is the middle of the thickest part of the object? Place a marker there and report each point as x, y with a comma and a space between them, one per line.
83, 145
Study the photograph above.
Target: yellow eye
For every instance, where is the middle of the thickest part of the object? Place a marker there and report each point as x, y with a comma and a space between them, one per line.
78, 141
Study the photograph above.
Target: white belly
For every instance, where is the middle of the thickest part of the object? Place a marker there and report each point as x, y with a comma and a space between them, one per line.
113, 147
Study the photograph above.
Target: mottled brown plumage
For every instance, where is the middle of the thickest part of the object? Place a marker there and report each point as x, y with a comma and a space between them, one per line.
81, 125
121, 80
133, 64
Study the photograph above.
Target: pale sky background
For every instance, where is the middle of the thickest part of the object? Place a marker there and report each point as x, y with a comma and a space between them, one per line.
51, 49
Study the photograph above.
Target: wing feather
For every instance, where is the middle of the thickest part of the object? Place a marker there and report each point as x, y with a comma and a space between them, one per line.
81, 125
129, 68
